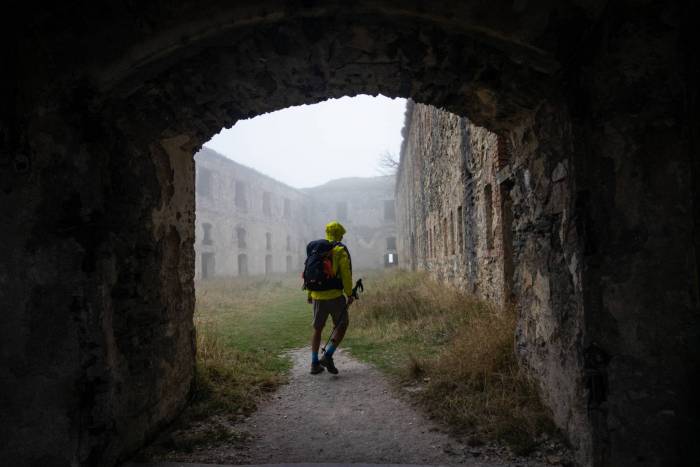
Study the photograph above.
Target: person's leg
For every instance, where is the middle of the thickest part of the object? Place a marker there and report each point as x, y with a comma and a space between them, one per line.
316, 340
341, 319
318, 322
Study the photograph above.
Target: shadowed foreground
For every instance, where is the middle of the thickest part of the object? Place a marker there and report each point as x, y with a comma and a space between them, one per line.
353, 417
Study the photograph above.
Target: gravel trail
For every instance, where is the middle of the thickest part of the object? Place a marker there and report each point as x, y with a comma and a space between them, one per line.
353, 417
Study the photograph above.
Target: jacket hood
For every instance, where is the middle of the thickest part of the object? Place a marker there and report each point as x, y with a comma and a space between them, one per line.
334, 231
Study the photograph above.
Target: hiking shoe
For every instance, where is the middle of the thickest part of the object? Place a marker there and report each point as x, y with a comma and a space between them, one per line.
327, 361
316, 368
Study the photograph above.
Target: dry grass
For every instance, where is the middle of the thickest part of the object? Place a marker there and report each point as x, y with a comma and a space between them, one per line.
243, 328
458, 351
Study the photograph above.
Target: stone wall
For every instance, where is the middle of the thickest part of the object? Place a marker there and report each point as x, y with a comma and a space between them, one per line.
488, 214
365, 206
449, 203
105, 104
251, 224
256, 225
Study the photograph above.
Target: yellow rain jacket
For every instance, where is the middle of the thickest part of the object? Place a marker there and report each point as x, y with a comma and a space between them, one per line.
341, 265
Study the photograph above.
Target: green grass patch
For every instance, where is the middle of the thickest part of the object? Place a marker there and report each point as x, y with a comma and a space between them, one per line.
244, 326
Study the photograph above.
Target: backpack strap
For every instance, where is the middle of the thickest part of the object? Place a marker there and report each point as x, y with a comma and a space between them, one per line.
340, 244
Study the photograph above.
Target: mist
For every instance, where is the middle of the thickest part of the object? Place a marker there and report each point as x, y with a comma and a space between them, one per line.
309, 145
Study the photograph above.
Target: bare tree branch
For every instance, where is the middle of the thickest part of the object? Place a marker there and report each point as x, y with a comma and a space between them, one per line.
388, 163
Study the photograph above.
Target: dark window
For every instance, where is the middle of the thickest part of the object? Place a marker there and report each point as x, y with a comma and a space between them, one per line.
242, 265
204, 178
430, 243
241, 237
267, 204
208, 265
452, 234
289, 243
241, 201
341, 210
289, 264
287, 208
391, 243
503, 152
435, 240
488, 215
268, 241
460, 229
389, 210
445, 251
207, 234
268, 264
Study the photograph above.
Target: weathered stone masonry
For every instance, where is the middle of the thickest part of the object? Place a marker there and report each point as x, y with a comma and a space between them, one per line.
449, 202
250, 224
247, 222
105, 103
482, 213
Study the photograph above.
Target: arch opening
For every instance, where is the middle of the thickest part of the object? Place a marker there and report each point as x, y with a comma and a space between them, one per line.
116, 127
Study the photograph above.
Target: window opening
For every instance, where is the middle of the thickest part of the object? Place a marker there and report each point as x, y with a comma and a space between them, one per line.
268, 241
208, 265
241, 201
389, 210
268, 264
452, 233
204, 179
488, 215
460, 230
267, 204
241, 237
444, 236
243, 264
206, 227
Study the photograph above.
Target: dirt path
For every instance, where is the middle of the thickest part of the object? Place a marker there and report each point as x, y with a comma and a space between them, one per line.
349, 418
354, 417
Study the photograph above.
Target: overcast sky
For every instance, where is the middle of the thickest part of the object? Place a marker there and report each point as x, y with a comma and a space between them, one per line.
311, 144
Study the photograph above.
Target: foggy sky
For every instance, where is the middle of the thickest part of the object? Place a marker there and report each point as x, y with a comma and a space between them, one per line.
311, 144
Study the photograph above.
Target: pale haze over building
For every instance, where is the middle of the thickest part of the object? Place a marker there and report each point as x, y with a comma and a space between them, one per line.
309, 145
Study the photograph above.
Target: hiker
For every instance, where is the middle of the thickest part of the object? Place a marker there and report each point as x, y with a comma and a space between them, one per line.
328, 279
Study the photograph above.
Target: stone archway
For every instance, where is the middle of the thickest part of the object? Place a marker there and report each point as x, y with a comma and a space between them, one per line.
109, 103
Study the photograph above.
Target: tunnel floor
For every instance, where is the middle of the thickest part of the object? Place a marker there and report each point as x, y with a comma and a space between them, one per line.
355, 417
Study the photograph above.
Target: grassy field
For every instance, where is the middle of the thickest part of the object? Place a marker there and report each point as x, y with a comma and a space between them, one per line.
456, 353
243, 328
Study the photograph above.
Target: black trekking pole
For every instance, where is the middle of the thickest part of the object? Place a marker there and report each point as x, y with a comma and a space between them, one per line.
359, 287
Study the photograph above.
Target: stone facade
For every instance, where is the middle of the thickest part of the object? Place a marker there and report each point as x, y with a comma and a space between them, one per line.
247, 222
449, 202
250, 224
105, 104
365, 206
485, 214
